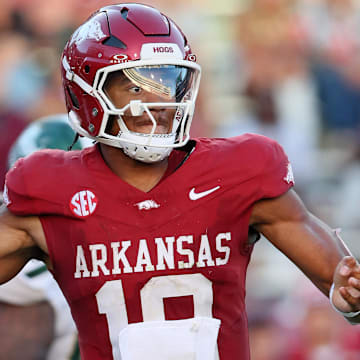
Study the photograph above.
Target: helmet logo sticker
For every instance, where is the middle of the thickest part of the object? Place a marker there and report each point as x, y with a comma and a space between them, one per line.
163, 49
83, 203
191, 57
119, 58
289, 178
147, 205
179, 114
90, 30
160, 50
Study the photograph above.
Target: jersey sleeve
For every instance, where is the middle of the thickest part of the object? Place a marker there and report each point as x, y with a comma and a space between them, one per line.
276, 176
30, 188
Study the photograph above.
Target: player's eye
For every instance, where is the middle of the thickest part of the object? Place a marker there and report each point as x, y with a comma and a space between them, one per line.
135, 89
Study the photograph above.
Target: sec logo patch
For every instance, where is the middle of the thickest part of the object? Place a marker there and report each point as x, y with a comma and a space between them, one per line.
83, 203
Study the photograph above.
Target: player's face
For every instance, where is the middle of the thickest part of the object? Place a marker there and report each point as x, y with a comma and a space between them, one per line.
121, 91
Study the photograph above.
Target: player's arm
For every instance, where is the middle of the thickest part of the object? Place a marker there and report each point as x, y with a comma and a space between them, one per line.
19, 239
314, 247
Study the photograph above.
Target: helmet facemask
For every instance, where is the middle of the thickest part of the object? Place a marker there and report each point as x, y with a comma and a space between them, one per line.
158, 99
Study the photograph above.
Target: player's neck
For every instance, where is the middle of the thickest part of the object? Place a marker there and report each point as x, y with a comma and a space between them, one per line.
140, 175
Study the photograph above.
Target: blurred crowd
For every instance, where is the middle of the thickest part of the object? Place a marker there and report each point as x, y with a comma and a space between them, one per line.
287, 69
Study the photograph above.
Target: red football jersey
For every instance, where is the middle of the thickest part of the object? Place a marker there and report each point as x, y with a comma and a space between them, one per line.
123, 256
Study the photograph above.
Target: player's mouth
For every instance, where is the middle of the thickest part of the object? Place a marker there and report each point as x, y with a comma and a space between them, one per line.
145, 125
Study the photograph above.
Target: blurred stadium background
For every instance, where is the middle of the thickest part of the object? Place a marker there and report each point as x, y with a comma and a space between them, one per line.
288, 69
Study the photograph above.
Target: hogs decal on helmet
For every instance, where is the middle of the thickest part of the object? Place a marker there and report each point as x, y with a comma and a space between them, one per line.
147, 50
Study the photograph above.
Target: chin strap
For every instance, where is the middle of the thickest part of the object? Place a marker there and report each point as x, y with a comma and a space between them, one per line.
146, 154
76, 138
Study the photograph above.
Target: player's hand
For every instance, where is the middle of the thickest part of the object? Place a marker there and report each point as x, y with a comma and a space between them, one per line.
346, 296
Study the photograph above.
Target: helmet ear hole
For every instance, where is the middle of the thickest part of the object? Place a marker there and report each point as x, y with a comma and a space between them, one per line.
124, 13
87, 69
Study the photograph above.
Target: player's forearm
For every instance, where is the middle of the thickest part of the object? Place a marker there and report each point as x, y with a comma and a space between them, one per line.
12, 239
327, 251
328, 248
307, 241
14, 252
311, 245
10, 265
333, 249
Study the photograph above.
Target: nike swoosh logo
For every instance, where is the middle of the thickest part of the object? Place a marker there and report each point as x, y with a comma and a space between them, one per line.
196, 196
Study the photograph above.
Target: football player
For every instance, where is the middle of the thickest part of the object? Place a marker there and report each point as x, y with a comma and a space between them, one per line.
147, 232
44, 326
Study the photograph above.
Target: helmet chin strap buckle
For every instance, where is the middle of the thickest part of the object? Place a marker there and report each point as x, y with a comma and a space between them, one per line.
136, 108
